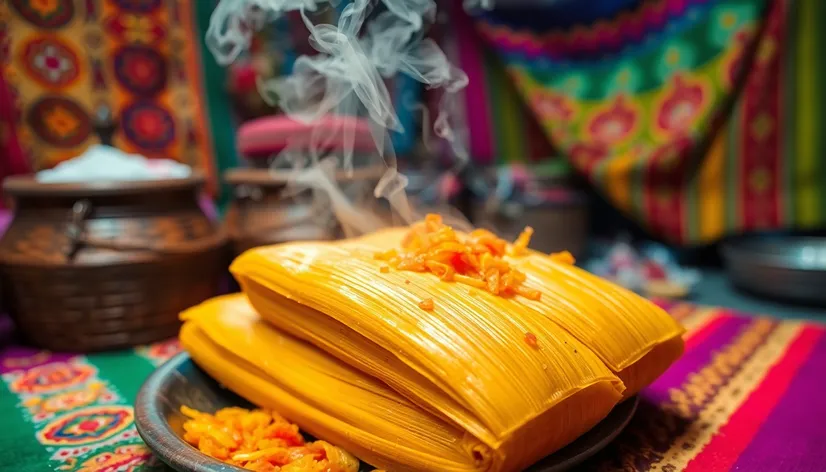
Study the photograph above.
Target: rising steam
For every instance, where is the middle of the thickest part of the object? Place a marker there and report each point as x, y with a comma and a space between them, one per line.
373, 40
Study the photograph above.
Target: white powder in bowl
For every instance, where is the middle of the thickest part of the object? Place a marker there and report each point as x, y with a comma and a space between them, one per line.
105, 164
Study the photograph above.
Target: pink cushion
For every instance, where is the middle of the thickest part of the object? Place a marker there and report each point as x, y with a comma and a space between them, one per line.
264, 137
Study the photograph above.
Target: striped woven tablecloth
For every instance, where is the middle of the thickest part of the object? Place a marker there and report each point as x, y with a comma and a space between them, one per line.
747, 395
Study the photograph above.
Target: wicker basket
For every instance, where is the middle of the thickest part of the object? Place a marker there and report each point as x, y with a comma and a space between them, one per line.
92, 267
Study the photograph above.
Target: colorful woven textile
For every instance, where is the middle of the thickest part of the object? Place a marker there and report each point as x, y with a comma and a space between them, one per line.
696, 117
12, 159
141, 58
500, 128
74, 413
747, 395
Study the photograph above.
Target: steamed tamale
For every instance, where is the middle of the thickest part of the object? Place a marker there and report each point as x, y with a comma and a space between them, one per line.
635, 338
509, 355
342, 405
423, 348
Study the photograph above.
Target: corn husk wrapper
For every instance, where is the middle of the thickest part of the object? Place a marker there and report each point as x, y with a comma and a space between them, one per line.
466, 363
634, 337
334, 401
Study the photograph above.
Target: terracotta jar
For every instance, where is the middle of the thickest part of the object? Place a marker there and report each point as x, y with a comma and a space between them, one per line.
264, 211
98, 266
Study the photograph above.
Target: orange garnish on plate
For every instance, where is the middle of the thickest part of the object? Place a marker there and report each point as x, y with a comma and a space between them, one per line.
261, 440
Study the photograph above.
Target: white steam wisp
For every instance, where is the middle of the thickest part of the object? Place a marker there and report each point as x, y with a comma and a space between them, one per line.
373, 40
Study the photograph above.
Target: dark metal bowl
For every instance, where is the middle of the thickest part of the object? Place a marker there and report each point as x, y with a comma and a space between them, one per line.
181, 382
786, 267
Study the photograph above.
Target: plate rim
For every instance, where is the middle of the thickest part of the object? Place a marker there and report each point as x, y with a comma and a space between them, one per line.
153, 428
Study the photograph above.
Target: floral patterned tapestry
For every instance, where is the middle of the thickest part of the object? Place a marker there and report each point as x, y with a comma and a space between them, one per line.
695, 117
65, 60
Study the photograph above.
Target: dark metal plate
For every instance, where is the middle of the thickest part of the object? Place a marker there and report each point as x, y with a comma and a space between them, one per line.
787, 267
181, 382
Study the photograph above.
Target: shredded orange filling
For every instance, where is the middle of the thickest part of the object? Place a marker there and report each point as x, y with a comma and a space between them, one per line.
475, 260
261, 440
530, 340
427, 304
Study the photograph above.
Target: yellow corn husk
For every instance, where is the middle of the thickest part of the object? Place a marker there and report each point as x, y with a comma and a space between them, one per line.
635, 338
410, 372
324, 396
467, 360
344, 406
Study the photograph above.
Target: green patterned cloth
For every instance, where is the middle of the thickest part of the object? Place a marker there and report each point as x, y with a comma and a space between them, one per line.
74, 412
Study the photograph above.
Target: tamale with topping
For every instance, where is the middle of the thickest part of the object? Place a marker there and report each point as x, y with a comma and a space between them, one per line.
519, 350
343, 405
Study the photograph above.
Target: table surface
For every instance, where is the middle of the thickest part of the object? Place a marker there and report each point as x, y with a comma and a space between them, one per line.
746, 395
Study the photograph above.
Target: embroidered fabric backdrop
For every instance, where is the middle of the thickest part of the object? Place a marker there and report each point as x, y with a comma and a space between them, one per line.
496, 126
641, 103
12, 159
142, 58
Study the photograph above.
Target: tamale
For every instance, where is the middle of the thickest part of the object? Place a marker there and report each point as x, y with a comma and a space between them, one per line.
495, 366
325, 397
634, 337
467, 359
342, 405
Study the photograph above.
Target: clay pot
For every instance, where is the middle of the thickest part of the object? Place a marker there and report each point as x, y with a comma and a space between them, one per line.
265, 212
96, 266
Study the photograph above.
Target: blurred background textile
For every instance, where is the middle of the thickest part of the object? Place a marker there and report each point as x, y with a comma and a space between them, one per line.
13, 160
697, 118
66, 60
